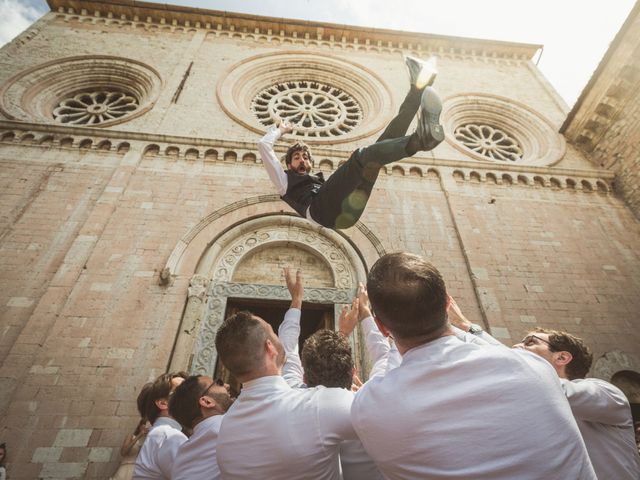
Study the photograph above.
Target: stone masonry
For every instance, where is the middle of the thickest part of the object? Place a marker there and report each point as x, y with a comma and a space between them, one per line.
116, 236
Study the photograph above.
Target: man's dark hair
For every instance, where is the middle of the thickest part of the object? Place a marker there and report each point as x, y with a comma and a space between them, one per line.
160, 388
183, 405
408, 295
297, 147
240, 343
582, 357
327, 360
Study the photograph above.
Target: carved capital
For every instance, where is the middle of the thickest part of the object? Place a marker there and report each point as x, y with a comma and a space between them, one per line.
198, 286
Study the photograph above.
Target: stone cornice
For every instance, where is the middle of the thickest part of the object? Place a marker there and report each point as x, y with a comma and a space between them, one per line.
613, 84
80, 134
221, 20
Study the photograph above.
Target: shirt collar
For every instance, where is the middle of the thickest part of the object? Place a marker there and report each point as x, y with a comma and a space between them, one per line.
429, 347
167, 421
263, 384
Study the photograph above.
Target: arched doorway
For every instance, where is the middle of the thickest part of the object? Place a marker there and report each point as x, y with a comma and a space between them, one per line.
242, 269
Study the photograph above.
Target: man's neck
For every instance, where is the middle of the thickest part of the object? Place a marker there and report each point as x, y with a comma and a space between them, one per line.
404, 345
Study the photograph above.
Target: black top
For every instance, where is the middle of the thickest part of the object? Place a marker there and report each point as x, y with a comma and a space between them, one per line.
301, 189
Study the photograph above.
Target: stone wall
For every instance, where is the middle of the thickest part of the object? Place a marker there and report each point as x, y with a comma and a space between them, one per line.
103, 228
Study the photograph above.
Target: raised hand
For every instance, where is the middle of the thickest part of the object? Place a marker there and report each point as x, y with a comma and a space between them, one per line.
285, 127
295, 286
365, 306
348, 318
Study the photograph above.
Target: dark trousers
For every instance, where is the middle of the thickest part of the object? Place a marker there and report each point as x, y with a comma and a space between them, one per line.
343, 197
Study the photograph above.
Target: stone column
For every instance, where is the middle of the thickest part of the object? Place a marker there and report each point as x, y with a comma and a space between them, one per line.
190, 324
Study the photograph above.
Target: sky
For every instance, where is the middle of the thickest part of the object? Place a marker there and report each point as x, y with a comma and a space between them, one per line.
575, 33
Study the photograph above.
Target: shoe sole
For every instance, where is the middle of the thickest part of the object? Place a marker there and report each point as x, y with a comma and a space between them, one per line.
432, 107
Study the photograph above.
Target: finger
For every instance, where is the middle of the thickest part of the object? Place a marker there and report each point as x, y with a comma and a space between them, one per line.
356, 380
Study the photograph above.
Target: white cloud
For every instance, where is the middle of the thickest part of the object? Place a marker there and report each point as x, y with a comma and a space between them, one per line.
15, 17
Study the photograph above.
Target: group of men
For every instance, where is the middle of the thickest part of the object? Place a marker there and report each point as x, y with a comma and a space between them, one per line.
443, 398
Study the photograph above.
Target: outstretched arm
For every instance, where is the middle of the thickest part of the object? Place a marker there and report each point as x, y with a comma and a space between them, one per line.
289, 331
461, 326
269, 159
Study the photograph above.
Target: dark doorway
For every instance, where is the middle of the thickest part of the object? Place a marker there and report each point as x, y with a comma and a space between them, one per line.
314, 317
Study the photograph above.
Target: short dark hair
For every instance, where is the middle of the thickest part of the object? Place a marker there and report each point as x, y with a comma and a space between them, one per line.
297, 147
160, 388
581, 356
408, 295
240, 342
183, 405
327, 360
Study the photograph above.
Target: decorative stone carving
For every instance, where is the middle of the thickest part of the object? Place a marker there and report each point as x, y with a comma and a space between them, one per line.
491, 142
230, 249
190, 323
492, 128
205, 357
86, 90
344, 102
198, 287
611, 362
93, 108
315, 109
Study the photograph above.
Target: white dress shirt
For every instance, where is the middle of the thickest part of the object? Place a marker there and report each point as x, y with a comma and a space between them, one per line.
459, 410
273, 165
159, 450
604, 418
273, 431
355, 463
196, 458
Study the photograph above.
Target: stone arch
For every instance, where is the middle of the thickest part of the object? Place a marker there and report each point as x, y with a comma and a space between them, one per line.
538, 181
586, 186
613, 362
104, 145
458, 175
85, 144
27, 138
227, 269
249, 158
123, 148
151, 150
211, 155
507, 179
191, 154
326, 165
570, 183
555, 183
8, 137
523, 180
415, 172
230, 156
397, 170
172, 151
491, 178
66, 142
602, 187
474, 177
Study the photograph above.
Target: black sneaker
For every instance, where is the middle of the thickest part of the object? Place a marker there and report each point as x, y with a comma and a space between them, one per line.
429, 131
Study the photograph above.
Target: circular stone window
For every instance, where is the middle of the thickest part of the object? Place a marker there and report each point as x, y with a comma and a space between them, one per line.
490, 142
89, 91
492, 128
94, 108
315, 109
328, 99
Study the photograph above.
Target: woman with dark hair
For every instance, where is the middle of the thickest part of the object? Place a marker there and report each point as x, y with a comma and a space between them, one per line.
132, 442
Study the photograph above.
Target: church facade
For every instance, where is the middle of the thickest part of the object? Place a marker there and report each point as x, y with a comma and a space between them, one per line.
136, 213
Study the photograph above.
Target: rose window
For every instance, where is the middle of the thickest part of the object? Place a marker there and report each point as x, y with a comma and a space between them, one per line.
94, 108
489, 142
314, 109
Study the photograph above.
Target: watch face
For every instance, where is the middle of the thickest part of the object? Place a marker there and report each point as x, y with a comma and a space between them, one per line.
475, 329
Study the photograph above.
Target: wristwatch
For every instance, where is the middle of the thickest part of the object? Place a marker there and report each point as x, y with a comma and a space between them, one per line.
475, 329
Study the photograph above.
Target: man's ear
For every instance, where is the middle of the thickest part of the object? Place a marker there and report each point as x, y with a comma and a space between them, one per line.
381, 327
270, 348
206, 402
162, 404
562, 358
